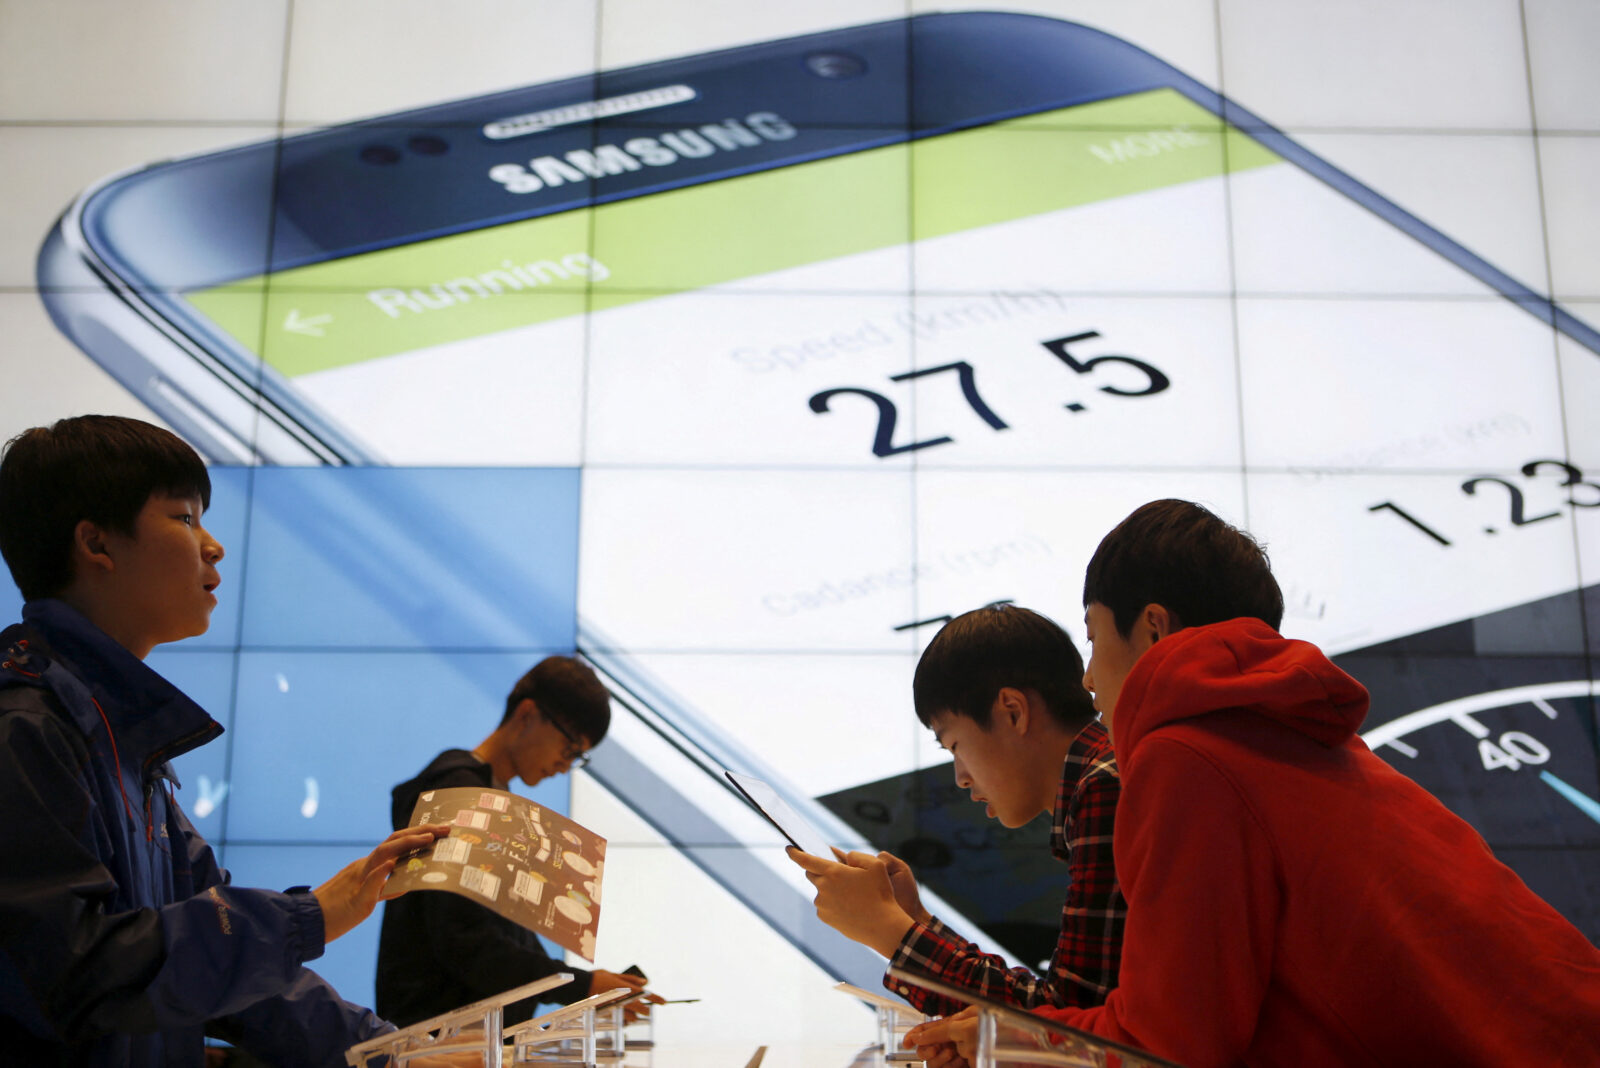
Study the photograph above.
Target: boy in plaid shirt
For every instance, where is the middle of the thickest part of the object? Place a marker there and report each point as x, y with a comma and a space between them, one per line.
1001, 689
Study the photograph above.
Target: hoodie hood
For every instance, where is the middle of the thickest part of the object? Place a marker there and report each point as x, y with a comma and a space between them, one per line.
1241, 664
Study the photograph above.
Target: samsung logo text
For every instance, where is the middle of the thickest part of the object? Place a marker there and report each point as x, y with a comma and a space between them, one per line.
636, 153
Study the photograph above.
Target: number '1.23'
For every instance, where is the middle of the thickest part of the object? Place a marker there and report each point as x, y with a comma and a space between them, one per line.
1516, 504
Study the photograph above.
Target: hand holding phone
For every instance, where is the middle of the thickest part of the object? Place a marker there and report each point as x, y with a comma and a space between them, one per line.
905, 888
637, 1002
856, 898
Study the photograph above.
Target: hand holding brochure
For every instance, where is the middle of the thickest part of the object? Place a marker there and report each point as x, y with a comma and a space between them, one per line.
530, 865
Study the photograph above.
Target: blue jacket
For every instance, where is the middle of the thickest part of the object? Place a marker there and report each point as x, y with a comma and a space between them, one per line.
121, 941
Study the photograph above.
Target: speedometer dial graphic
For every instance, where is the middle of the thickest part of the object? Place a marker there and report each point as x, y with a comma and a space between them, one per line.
1513, 750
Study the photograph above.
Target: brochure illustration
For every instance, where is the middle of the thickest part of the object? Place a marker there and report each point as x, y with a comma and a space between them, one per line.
533, 866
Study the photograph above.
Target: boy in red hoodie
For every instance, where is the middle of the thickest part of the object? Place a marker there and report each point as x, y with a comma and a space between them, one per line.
1292, 899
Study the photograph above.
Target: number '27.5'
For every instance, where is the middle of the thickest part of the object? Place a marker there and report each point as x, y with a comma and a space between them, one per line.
888, 416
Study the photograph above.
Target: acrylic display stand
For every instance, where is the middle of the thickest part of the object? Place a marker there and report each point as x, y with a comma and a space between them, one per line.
895, 1018
474, 1027
613, 1019
1042, 1041
570, 1035
567, 1036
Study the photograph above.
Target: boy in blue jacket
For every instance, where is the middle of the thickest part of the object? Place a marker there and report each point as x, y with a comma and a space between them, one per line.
121, 940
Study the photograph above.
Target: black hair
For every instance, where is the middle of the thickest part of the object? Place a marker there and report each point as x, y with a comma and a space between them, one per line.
103, 468
1179, 555
978, 653
568, 692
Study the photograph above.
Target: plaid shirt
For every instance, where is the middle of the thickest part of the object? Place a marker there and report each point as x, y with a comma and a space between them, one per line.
1083, 969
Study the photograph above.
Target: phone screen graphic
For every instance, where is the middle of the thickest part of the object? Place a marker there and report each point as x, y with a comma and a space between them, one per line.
963, 334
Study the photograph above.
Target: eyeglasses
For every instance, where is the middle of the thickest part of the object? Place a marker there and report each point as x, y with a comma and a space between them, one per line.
575, 755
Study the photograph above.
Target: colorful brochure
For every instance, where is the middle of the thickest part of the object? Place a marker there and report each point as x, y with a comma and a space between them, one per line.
532, 866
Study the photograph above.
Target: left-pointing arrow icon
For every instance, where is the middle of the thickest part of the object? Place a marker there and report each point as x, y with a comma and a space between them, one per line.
310, 325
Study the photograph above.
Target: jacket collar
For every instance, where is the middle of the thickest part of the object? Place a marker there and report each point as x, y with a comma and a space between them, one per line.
152, 719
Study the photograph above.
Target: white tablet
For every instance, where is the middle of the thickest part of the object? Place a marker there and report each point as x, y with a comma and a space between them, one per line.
800, 834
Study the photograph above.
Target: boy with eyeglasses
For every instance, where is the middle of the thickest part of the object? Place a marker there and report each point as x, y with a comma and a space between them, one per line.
437, 951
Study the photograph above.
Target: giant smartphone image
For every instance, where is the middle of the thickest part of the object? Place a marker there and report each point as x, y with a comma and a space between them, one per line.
819, 341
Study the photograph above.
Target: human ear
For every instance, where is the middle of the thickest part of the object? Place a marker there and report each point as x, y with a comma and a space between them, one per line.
527, 714
89, 547
1159, 621
1011, 708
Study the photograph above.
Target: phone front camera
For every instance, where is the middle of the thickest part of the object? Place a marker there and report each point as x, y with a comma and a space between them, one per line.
835, 64
380, 155
428, 145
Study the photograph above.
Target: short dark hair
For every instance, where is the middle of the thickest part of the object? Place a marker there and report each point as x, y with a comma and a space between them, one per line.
568, 691
103, 468
980, 652
1179, 555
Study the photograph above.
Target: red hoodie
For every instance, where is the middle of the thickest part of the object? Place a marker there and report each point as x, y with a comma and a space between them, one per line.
1293, 900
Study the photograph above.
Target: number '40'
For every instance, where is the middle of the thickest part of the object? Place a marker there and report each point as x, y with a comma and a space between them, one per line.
1515, 749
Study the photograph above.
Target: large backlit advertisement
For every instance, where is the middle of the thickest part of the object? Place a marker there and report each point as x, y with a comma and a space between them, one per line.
739, 358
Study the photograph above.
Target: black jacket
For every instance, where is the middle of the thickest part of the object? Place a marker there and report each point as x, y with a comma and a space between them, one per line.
439, 951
